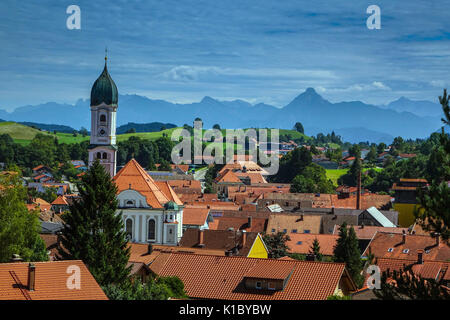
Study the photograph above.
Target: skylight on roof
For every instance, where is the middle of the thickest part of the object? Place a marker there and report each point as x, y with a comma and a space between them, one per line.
391, 250
299, 242
405, 250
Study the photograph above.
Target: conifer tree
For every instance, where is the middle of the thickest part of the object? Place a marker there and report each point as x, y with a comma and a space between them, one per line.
93, 230
19, 228
315, 250
434, 216
347, 250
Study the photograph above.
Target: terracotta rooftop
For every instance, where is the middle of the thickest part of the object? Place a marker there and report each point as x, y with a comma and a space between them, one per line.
238, 223
391, 245
227, 176
367, 232
50, 282
271, 269
436, 270
219, 240
291, 223
60, 200
302, 243
139, 252
213, 277
195, 216
133, 176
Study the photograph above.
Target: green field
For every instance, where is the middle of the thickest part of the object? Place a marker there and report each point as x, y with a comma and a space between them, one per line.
335, 174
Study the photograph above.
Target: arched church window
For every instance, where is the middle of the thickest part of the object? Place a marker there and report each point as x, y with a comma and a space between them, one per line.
99, 155
105, 155
129, 228
151, 229
102, 118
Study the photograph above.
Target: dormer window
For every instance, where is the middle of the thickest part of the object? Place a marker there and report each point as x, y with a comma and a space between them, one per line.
258, 285
129, 203
271, 286
391, 250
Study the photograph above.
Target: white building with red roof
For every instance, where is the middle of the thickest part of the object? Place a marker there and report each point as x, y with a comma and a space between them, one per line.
151, 210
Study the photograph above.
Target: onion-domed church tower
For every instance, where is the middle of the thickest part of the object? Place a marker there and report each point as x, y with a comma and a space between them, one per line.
104, 98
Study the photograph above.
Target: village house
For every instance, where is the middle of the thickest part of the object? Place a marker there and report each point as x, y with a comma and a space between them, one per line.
405, 199
47, 281
288, 223
242, 278
407, 246
151, 211
249, 223
239, 243
198, 218
366, 233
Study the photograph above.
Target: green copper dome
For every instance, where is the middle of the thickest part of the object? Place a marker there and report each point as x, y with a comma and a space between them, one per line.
104, 90
171, 206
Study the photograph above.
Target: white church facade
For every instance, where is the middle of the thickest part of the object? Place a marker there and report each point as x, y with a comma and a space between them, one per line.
151, 210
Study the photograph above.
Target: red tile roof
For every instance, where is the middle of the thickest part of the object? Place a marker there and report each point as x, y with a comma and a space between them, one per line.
61, 200
214, 277
367, 232
302, 243
134, 176
384, 242
437, 270
195, 216
50, 284
227, 176
238, 223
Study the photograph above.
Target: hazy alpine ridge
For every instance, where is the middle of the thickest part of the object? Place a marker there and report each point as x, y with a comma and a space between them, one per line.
354, 120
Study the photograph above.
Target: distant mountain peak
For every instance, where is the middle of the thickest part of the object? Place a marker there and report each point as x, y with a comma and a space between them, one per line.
208, 99
308, 97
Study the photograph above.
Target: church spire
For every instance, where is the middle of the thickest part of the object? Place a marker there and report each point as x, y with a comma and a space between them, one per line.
106, 56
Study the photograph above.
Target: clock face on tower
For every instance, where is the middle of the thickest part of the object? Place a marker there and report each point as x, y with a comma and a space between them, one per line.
101, 132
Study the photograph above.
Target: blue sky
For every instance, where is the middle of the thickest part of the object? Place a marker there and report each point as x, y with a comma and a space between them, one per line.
258, 51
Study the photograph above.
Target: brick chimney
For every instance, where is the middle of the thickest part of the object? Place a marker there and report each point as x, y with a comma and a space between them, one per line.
358, 192
201, 238
403, 237
244, 237
149, 248
420, 256
31, 276
437, 236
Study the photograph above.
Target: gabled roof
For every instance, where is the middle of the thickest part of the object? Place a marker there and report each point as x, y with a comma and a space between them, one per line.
391, 245
60, 200
214, 277
219, 240
380, 218
133, 176
50, 282
195, 216
367, 232
238, 223
228, 176
436, 270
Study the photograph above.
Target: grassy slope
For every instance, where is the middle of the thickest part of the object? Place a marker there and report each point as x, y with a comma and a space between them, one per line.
18, 132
